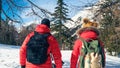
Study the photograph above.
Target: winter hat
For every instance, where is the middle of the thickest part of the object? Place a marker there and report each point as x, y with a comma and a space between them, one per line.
88, 23
86, 20
46, 22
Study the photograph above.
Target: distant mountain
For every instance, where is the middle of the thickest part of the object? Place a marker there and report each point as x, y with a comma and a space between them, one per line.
77, 20
87, 12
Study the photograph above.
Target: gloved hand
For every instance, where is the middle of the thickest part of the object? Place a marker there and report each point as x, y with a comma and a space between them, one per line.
23, 66
62, 62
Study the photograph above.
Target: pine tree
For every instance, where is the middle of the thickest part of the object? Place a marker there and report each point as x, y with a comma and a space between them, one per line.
62, 32
109, 24
61, 10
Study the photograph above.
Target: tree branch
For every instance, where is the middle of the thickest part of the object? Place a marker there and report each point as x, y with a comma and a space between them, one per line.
41, 9
9, 17
36, 13
18, 5
102, 8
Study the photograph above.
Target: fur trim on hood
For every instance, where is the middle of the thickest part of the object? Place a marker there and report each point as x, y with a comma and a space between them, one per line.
79, 31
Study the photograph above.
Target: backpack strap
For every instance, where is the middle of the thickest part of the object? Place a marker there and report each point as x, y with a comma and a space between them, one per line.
45, 35
83, 52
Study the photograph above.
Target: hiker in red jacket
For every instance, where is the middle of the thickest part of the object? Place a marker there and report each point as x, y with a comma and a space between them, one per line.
85, 33
53, 48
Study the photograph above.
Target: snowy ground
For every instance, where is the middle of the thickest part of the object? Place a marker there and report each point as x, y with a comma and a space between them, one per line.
9, 58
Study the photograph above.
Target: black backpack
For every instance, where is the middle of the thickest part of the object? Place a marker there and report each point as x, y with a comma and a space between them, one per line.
37, 48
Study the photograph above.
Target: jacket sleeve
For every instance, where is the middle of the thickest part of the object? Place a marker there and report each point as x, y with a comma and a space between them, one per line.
102, 45
75, 54
104, 56
22, 53
55, 50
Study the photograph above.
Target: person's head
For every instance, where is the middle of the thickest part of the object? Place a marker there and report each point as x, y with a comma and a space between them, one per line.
46, 22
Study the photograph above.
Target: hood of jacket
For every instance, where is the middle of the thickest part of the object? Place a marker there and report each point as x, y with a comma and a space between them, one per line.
42, 28
88, 33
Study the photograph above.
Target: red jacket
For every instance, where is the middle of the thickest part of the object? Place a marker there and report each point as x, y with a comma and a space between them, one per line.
53, 48
86, 33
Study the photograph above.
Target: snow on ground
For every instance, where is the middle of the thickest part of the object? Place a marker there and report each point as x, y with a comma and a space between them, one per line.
9, 58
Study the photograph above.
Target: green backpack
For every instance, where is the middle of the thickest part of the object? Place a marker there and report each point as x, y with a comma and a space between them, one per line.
91, 47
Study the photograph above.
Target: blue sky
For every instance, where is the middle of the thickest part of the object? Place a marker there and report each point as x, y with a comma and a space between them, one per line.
7, 9
51, 4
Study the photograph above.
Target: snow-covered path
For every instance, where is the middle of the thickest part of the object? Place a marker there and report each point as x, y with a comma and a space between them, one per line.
9, 58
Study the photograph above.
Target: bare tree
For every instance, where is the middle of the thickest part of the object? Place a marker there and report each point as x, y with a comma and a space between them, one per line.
11, 10
34, 7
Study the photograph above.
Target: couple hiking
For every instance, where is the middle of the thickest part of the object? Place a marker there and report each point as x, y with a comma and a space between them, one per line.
40, 47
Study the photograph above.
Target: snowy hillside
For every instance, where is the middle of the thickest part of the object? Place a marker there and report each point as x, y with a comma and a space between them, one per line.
9, 58
85, 13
